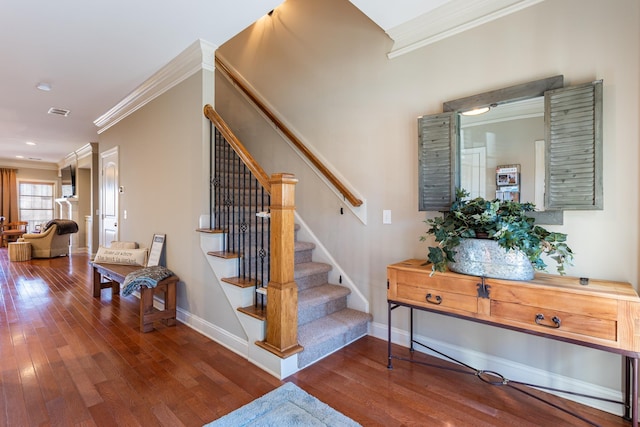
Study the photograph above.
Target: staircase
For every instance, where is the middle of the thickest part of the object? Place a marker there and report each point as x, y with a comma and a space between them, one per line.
325, 321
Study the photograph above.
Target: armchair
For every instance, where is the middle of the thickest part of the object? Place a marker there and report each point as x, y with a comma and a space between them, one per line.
53, 241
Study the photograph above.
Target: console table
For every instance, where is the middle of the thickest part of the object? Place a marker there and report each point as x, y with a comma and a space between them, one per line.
594, 313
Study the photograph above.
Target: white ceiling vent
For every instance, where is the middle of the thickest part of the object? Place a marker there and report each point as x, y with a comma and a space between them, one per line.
58, 111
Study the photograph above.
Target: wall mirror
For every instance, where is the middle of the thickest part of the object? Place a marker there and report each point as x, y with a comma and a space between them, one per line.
536, 142
502, 152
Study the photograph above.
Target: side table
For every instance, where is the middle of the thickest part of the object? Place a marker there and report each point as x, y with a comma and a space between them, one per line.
19, 251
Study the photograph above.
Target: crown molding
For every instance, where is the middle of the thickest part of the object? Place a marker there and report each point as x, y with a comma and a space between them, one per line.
451, 18
74, 157
198, 56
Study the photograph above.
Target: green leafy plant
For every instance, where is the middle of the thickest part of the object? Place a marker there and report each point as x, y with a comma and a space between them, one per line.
504, 221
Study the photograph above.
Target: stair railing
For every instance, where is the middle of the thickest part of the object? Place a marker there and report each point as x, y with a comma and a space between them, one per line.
239, 202
247, 205
339, 185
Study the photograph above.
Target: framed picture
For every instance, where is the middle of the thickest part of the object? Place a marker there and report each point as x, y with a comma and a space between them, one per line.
508, 175
509, 178
156, 250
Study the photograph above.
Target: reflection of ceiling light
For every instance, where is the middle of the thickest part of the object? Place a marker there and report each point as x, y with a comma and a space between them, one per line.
475, 111
43, 86
20, 157
30, 143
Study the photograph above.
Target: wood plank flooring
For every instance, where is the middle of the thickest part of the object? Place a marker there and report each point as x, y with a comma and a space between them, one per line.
68, 359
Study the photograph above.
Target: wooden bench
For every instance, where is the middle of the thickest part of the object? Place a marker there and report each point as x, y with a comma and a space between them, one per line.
113, 275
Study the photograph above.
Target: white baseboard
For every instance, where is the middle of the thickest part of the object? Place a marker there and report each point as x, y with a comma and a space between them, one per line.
509, 369
208, 329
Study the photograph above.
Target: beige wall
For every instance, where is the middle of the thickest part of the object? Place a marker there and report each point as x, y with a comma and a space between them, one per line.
47, 173
163, 169
37, 174
323, 67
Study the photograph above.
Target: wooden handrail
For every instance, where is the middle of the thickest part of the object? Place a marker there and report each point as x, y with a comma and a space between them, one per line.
237, 146
299, 145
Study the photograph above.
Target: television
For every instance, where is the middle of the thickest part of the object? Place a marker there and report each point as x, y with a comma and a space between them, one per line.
68, 181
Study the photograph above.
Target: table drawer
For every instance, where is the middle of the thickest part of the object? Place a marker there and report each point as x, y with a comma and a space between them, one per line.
547, 320
436, 299
592, 306
468, 285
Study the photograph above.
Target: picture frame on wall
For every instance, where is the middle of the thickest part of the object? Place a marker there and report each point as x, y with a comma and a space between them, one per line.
508, 175
156, 250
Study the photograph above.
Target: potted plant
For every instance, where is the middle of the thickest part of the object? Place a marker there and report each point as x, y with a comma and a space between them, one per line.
505, 222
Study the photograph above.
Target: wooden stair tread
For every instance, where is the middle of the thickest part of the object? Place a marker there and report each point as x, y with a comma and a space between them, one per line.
241, 282
209, 230
224, 254
256, 312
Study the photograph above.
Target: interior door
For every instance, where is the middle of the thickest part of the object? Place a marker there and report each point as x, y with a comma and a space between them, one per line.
473, 171
109, 199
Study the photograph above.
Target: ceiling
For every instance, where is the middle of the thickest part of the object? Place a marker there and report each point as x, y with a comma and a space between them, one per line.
94, 54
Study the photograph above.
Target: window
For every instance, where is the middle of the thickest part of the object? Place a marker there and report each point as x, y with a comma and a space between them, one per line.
36, 203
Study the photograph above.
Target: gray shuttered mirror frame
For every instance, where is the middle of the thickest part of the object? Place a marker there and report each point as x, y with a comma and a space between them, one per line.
438, 170
437, 161
573, 128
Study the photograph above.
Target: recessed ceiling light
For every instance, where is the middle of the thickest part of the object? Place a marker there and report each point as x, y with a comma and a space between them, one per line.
30, 143
43, 86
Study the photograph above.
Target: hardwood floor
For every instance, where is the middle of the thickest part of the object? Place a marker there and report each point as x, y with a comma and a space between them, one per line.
69, 359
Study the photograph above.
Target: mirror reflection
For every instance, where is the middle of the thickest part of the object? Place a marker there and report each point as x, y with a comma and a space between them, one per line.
502, 152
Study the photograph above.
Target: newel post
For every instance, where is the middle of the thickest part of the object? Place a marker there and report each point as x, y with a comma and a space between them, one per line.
282, 291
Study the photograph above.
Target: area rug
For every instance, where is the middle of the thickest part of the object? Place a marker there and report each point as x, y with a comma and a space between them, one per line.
288, 405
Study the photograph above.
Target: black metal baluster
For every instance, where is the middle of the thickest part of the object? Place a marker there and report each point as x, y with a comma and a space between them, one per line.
259, 278
243, 214
237, 197
218, 180
227, 199
211, 167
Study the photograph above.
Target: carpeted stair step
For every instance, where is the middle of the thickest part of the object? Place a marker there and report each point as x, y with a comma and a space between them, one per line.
310, 274
330, 333
303, 252
320, 301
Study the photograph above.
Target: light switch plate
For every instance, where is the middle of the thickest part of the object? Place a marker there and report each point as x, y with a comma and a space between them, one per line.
386, 216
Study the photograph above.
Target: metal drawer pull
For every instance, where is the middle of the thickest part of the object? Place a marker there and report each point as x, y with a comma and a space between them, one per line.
555, 319
437, 301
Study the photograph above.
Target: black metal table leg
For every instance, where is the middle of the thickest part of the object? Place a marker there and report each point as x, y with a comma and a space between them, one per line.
634, 393
411, 329
389, 365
